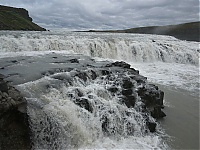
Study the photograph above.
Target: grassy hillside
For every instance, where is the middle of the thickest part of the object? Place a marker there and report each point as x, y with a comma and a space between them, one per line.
16, 19
186, 31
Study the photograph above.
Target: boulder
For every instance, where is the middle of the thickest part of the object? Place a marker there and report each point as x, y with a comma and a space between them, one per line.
150, 95
14, 126
129, 100
92, 74
3, 86
119, 64
84, 103
113, 89
127, 84
127, 92
82, 75
74, 60
151, 126
152, 98
157, 112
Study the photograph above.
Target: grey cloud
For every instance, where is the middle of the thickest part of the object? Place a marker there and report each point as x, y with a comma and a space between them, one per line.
108, 14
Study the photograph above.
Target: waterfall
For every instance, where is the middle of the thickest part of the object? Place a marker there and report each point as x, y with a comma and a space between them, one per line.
131, 48
68, 112
76, 112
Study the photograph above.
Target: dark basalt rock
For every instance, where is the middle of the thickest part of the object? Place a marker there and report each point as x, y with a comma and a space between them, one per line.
150, 95
139, 79
74, 60
105, 72
82, 75
151, 126
67, 79
78, 93
129, 100
2, 77
14, 61
153, 100
119, 64
14, 129
84, 103
3, 86
127, 84
113, 89
14, 126
157, 112
127, 92
92, 74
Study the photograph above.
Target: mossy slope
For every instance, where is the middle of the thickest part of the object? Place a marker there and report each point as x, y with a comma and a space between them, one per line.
16, 19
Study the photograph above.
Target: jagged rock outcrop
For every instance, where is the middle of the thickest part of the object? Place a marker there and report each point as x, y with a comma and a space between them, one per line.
14, 127
127, 84
16, 19
120, 83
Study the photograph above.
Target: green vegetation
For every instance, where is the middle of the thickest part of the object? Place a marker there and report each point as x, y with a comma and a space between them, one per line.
16, 19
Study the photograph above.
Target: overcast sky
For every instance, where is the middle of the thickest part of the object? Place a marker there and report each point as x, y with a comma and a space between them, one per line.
107, 14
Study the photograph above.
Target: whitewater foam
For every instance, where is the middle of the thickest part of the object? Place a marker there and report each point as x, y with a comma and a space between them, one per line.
174, 75
163, 59
54, 116
132, 48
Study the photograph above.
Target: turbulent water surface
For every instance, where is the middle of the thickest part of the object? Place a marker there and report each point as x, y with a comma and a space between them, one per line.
163, 59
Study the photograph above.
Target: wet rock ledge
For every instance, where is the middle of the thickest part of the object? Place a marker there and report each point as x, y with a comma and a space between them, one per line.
128, 85
14, 128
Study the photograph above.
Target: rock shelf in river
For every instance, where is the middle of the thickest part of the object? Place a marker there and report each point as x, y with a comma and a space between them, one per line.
122, 81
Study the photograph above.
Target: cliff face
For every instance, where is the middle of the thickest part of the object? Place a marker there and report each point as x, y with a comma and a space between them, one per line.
16, 19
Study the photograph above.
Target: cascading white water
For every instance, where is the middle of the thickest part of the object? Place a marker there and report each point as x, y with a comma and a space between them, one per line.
58, 122
131, 48
160, 54
74, 127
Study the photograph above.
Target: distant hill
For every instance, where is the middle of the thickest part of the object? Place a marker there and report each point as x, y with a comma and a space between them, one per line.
186, 31
16, 19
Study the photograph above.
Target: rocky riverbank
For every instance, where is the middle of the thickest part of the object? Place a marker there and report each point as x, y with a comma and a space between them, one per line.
14, 127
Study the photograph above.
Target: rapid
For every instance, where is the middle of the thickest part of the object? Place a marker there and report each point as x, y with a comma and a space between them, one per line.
58, 123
